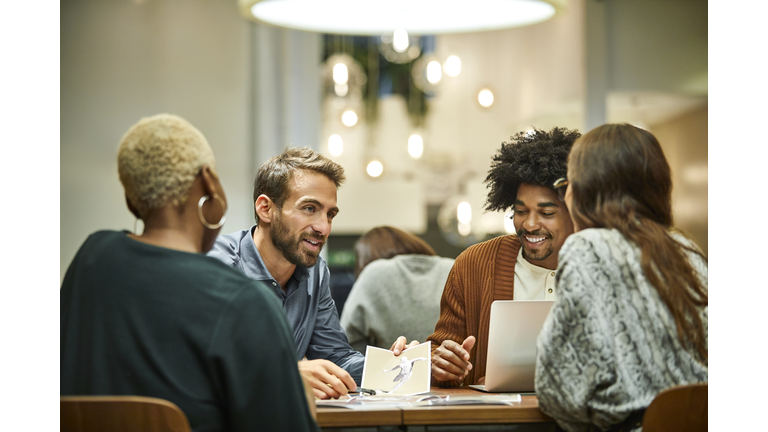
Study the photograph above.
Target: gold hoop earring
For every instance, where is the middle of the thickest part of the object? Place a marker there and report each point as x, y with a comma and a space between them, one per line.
205, 223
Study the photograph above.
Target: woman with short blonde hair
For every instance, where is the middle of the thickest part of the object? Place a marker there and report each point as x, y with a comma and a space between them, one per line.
149, 314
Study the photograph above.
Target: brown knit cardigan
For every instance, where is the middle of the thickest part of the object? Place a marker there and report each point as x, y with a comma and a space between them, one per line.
482, 274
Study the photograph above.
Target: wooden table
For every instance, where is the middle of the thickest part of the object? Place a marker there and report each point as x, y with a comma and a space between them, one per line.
416, 418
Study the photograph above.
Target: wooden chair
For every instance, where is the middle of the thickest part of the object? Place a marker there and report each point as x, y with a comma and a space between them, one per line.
678, 409
120, 414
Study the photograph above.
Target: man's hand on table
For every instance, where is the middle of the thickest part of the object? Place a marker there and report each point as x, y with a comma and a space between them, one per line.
401, 344
326, 379
450, 361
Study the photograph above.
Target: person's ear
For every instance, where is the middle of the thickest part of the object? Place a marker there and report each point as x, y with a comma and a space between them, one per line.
263, 206
131, 208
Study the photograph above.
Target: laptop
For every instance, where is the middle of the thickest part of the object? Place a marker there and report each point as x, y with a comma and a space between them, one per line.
514, 327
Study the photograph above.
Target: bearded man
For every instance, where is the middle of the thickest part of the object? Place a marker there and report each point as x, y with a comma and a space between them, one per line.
294, 197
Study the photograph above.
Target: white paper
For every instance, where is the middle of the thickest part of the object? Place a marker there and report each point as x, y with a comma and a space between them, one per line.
407, 374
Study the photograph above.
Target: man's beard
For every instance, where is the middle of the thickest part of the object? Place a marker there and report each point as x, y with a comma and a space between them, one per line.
291, 247
541, 253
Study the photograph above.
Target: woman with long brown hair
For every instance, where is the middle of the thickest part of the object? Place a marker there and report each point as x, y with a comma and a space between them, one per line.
630, 319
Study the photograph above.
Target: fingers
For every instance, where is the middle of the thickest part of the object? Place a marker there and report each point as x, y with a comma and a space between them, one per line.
412, 344
445, 371
346, 379
399, 345
450, 361
452, 349
340, 379
310, 394
318, 394
468, 343
322, 389
326, 378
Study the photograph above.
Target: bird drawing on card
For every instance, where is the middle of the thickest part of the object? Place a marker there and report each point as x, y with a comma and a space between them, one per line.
406, 370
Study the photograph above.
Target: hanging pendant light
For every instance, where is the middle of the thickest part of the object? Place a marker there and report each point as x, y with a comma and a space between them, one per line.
416, 17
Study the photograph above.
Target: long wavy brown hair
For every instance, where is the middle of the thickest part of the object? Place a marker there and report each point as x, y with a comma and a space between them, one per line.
385, 242
620, 179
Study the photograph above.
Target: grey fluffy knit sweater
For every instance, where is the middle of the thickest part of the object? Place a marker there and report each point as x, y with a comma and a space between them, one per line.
395, 297
610, 344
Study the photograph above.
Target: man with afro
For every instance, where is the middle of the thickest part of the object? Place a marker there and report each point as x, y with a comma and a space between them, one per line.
520, 266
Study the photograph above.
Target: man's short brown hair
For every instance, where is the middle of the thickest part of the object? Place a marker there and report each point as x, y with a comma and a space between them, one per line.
274, 176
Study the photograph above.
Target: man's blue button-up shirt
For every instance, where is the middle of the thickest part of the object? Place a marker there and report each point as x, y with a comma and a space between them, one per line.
307, 302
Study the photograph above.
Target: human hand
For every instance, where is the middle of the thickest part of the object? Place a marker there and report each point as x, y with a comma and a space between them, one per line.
326, 379
450, 361
400, 345
310, 395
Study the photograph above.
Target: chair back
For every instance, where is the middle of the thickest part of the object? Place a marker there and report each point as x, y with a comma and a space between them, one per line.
120, 414
679, 409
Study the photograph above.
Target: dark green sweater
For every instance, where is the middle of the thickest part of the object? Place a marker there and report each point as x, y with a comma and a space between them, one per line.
137, 319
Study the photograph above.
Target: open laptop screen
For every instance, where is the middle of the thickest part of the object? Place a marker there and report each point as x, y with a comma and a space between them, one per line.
514, 327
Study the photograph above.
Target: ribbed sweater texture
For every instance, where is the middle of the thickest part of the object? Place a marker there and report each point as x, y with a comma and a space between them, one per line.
482, 274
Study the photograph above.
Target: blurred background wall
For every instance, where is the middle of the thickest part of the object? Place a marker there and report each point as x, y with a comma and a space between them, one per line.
253, 89
124, 60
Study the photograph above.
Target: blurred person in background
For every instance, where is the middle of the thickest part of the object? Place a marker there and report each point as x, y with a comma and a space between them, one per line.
630, 318
520, 266
151, 315
397, 292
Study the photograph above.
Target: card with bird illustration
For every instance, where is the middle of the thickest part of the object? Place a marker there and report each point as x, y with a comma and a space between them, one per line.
406, 374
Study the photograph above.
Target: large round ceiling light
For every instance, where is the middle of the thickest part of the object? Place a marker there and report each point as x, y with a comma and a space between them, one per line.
418, 17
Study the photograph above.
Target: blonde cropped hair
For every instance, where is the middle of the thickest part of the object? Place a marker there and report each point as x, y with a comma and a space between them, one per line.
158, 160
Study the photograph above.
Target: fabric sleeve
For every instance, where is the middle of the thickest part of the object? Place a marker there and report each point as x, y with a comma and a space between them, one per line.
254, 366
354, 317
328, 338
574, 349
451, 325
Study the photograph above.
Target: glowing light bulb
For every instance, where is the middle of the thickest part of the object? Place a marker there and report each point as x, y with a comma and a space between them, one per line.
452, 66
434, 72
349, 118
335, 145
415, 146
485, 97
341, 89
464, 212
400, 40
464, 229
340, 73
374, 168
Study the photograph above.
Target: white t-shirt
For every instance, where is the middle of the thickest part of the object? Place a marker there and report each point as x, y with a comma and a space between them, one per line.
533, 282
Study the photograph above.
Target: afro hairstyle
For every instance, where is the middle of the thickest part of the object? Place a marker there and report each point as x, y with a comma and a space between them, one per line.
534, 157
